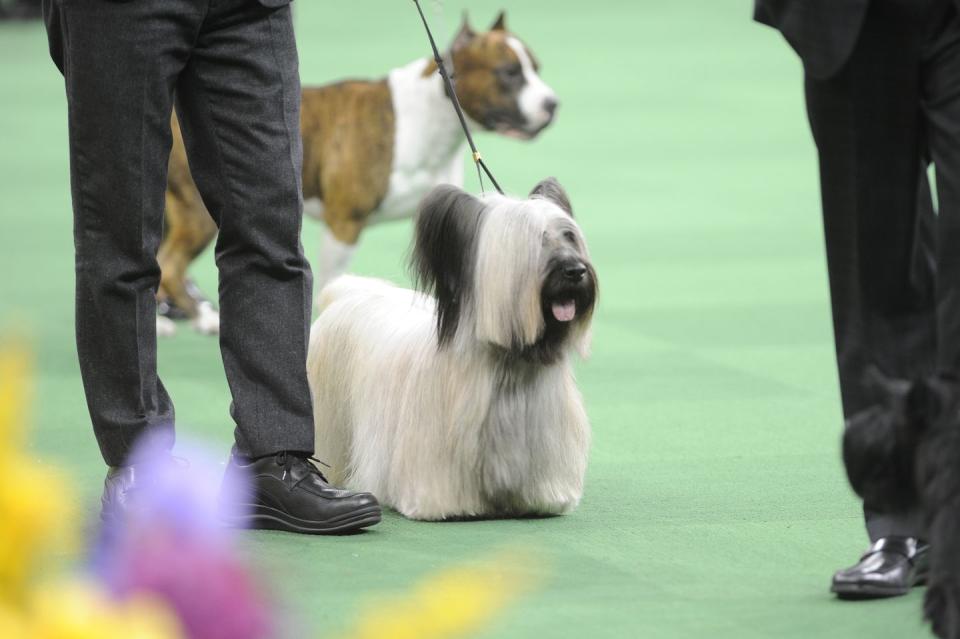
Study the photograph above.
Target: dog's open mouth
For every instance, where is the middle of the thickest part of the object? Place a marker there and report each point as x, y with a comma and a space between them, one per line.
519, 129
522, 132
564, 301
516, 133
564, 311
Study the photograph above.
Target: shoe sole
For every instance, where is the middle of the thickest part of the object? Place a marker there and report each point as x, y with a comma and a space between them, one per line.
855, 592
867, 591
263, 517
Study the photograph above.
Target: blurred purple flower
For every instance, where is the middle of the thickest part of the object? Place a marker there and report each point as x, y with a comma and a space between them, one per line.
173, 545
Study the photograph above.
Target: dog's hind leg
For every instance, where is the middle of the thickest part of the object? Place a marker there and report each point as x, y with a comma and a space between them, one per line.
189, 230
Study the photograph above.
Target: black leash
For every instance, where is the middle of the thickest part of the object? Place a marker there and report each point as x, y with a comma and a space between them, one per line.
477, 158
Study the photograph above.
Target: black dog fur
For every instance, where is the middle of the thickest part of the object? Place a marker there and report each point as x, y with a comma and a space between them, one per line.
908, 448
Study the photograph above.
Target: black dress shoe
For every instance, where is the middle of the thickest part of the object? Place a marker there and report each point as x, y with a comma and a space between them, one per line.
123, 483
891, 567
118, 488
287, 492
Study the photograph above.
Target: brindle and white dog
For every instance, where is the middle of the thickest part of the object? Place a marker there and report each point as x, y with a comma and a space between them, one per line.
372, 150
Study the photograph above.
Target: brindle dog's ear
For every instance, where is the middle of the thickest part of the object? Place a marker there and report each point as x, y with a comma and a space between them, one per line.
444, 249
500, 24
550, 189
466, 34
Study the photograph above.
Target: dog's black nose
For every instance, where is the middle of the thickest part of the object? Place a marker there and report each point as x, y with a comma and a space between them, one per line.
550, 105
574, 273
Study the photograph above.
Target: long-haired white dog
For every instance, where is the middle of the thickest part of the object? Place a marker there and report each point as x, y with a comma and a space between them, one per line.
461, 401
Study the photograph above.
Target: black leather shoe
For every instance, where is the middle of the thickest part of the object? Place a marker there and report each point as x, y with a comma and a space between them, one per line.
118, 488
891, 567
123, 483
287, 492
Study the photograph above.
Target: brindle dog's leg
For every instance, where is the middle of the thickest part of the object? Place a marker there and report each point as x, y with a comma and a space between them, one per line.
343, 225
348, 202
189, 230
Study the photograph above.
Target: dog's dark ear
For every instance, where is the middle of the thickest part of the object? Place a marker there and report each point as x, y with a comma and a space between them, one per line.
500, 24
550, 189
444, 250
466, 34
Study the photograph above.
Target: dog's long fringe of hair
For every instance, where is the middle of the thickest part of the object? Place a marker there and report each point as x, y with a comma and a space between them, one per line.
908, 450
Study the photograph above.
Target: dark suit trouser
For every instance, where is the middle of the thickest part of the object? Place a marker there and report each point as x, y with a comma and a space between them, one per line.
894, 107
232, 65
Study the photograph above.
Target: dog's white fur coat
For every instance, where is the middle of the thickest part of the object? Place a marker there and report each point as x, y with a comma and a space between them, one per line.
466, 429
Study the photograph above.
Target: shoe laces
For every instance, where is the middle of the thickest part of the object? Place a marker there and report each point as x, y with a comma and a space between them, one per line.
287, 460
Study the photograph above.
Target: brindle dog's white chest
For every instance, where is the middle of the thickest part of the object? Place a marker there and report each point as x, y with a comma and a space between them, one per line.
428, 143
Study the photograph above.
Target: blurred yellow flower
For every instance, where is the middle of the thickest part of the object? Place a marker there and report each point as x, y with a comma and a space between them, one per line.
12, 624
34, 502
78, 610
15, 376
453, 603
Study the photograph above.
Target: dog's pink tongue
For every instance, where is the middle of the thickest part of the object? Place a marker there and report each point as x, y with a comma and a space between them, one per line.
565, 311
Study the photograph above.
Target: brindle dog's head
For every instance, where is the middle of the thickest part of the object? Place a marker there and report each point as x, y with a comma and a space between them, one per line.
498, 82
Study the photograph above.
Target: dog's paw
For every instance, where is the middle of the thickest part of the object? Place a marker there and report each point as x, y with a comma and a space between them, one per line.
941, 606
166, 327
207, 321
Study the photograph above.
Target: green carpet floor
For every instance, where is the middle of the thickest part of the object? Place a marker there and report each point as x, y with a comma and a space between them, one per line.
716, 504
